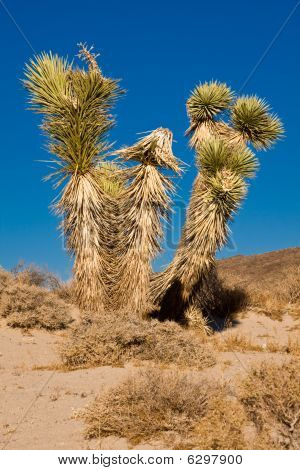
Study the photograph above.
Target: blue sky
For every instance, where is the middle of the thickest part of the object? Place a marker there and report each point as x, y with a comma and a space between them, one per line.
161, 50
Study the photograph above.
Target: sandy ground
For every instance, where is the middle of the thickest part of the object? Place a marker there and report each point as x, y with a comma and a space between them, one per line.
37, 403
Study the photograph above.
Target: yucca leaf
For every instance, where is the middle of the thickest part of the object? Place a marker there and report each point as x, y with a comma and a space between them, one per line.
215, 154
207, 100
251, 117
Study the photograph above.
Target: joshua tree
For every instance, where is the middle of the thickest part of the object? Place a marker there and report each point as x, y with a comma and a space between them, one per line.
75, 104
144, 204
225, 162
113, 217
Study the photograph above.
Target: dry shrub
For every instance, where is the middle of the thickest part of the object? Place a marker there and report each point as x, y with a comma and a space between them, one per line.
151, 404
169, 409
29, 306
271, 397
275, 298
173, 409
6, 278
292, 347
112, 339
32, 275
235, 342
267, 302
222, 427
66, 291
289, 289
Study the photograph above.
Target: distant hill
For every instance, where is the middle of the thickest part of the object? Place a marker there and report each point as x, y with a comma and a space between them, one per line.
267, 267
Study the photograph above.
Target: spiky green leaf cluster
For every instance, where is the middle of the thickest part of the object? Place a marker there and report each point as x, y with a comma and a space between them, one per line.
207, 100
75, 104
226, 190
215, 155
251, 117
110, 179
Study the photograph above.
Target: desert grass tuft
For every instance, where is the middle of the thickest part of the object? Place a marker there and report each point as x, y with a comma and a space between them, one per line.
235, 342
112, 339
291, 347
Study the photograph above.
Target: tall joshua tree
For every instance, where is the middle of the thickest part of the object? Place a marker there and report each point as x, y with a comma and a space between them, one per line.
75, 105
225, 163
112, 219
145, 203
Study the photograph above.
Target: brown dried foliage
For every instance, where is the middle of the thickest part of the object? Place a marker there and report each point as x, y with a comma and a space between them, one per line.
181, 411
26, 305
271, 397
112, 339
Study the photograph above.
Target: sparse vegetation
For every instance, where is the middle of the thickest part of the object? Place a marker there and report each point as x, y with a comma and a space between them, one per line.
235, 342
179, 411
224, 425
32, 275
271, 397
269, 286
26, 304
115, 339
291, 347
113, 213
149, 405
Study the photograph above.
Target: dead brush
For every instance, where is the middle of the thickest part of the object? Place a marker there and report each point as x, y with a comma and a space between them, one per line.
291, 347
29, 306
151, 404
276, 298
271, 397
223, 426
267, 302
169, 409
66, 292
6, 278
33, 275
235, 342
112, 339
289, 290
